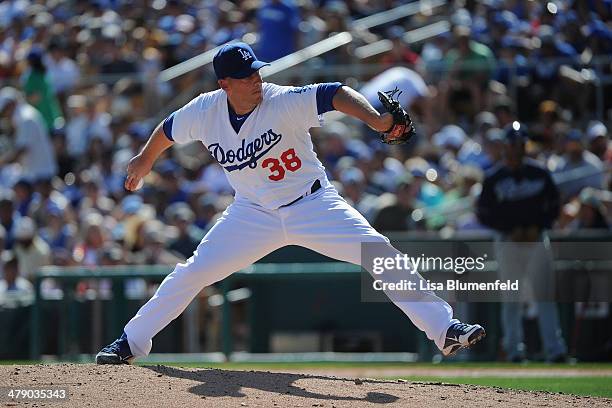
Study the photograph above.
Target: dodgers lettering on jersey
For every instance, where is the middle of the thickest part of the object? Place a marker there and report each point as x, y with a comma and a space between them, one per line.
271, 160
247, 154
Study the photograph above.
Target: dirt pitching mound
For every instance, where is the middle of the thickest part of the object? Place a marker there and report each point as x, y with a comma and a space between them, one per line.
162, 386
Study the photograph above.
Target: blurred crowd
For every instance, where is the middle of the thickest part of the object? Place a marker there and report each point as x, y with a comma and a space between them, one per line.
84, 85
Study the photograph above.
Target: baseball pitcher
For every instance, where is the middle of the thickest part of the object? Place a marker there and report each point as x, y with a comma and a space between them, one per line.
258, 132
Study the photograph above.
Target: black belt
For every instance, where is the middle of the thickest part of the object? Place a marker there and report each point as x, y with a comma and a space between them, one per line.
315, 186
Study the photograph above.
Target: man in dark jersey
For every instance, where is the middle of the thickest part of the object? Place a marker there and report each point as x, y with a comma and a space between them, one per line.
519, 200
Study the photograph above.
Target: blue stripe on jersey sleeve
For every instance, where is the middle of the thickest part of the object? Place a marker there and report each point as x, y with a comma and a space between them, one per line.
167, 126
325, 95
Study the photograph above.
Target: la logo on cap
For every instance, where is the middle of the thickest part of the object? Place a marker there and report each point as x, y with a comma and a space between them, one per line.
236, 61
245, 54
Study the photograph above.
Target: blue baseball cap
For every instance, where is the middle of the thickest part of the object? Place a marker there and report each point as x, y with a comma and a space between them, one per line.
236, 60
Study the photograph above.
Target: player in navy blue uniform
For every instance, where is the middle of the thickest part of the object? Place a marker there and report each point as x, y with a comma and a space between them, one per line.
519, 200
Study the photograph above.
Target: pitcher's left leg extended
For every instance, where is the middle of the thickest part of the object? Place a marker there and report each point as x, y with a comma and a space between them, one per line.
327, 224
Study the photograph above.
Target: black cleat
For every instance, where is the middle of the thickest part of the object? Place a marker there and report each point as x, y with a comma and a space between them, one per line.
118, 352
461, 335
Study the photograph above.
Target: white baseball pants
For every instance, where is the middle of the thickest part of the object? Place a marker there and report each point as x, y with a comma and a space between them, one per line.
322, 221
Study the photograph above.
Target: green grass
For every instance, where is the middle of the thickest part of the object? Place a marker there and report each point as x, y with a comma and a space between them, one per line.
587, 386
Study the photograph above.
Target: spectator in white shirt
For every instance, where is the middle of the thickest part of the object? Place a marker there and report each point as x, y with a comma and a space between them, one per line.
14, 290
76, 125
33, 148
62, 71
31, 251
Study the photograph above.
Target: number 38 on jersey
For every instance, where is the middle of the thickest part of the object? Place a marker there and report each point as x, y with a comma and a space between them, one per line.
288, 161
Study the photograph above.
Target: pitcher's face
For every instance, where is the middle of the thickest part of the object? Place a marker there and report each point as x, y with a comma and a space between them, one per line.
248, 90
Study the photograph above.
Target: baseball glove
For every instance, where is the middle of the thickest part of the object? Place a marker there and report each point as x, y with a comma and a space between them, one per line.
402, 128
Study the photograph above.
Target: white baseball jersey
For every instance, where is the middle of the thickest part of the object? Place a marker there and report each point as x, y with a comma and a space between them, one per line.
271, 160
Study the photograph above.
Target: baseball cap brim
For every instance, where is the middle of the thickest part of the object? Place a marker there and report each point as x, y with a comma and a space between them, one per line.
255, 66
